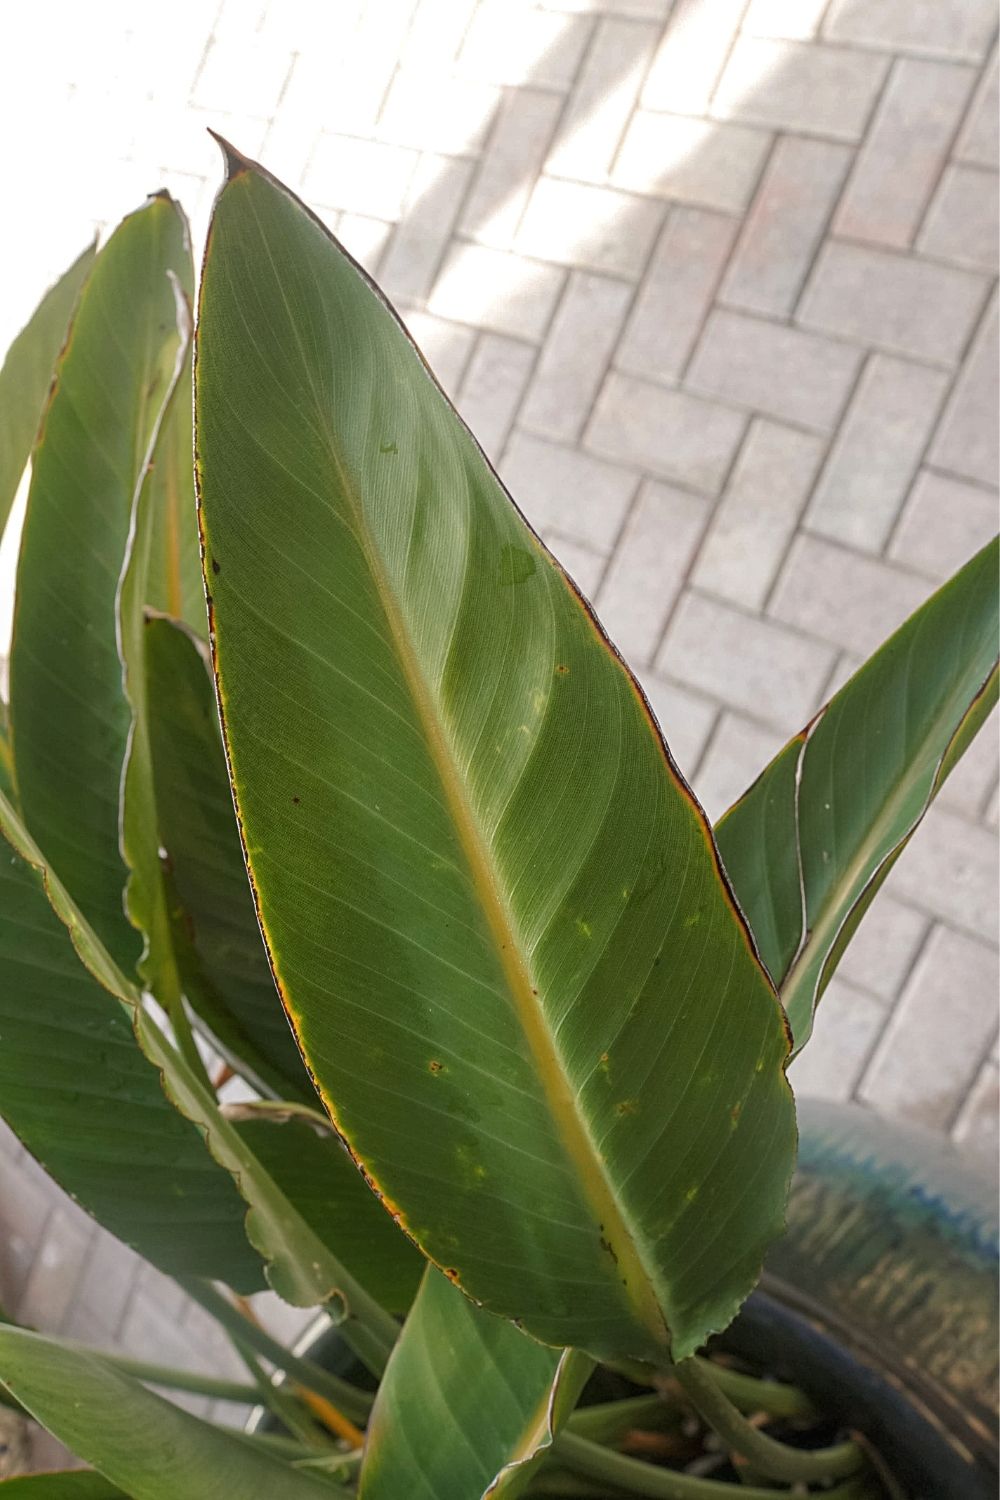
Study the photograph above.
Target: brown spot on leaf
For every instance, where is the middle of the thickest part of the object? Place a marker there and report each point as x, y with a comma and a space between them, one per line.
435, 1066
215, 565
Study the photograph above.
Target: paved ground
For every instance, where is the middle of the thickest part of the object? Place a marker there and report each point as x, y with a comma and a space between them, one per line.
714, 282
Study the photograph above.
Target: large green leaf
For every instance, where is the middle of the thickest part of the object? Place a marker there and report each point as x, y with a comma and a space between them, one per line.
467, 1404
224, 966
147, 1446
300, 1267
68, 711
71, 1484
26, 376
809, 844
494, 910
316, 1174
76, 1089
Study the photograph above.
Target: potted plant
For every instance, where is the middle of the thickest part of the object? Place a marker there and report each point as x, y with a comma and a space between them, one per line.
528, 1136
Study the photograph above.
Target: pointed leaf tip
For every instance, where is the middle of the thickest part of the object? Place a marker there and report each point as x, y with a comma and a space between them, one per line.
235, 161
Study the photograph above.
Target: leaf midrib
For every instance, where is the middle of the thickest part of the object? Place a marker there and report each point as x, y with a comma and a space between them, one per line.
559, 1094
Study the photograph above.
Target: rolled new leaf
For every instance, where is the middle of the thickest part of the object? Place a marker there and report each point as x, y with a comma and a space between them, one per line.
494, 910
811, 841
468, 1405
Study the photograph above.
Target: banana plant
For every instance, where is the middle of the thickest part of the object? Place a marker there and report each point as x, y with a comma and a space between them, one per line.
352, 797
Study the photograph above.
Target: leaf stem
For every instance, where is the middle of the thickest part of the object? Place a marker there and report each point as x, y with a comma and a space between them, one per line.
763, 1453
748, 1393
354, 1403
637, 1478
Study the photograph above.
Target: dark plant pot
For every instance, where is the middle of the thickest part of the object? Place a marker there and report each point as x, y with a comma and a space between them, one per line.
881, 1298
880, 1301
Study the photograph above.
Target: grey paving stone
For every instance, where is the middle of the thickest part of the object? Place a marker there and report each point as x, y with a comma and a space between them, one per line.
737, 753
961, 223
592, 125
584, 565
768, 672
785, 225
359, 176
675, 294
893, 302
592, 228
966, 441
979, 141
814, 89
847, 1026
651, 560
903, 152
492, 388
947, 28
785, 372
446, 346
977, 1125
435, 109
670, 433
758, 513
796, 20
518, 45
509, 166
967, 790
691, 55
56, 1268
950, 871
566, 491
410, 263
685, 718
943, 523
852, 600
495, 290
876, 452
26, 1207
882, 951
931, 1049
575, 355
704, 162
109, 1277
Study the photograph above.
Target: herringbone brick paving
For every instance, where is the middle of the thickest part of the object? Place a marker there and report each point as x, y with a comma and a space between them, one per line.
714, 283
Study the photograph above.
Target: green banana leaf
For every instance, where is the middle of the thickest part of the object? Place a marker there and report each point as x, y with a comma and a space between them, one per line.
150, 1448
299, 1266
811, 841
468, 1404
72, 1484
174, 584
316, 1174
224, 966
494, 910
78, 1092
26, 376
69, 716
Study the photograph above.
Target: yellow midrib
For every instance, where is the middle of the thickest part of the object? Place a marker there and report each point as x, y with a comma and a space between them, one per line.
622, 1254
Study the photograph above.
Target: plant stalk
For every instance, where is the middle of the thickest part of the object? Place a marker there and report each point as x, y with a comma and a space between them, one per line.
763, 1453
354, 1403
633, 1477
